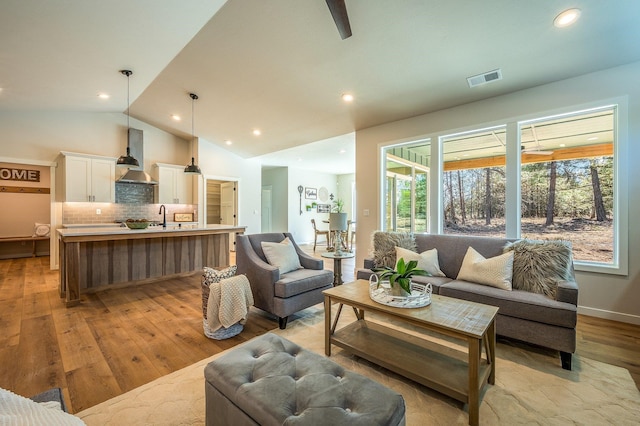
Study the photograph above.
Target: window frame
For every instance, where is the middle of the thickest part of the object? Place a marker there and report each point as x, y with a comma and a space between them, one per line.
513, 166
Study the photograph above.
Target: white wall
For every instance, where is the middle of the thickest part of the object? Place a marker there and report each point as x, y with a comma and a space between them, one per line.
222, 164
300, 224
42, 135
603, 295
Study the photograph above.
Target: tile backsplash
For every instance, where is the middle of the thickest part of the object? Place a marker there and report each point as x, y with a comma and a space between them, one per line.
76, 213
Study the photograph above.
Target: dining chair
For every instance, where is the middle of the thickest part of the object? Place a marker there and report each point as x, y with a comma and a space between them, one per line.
318, 232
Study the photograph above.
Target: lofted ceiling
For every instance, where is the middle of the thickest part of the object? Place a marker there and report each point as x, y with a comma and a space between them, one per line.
281, 66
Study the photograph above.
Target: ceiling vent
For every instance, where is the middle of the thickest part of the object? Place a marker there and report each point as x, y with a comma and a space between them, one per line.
487, 77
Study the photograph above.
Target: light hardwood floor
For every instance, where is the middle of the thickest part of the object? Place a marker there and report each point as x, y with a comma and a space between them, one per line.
119, 339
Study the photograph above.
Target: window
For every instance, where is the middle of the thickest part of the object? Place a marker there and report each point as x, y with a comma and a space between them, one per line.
567, 182
406, 187
554, 177
474, 182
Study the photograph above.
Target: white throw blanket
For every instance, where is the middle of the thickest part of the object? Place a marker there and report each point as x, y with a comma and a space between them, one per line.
18, 410
229, 302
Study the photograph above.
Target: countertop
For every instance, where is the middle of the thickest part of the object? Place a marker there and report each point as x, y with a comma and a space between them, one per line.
123, 231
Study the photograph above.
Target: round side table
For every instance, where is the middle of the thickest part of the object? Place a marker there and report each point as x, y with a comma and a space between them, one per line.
337, 264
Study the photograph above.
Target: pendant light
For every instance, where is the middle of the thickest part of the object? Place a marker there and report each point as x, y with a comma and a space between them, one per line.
192, 168
127, 160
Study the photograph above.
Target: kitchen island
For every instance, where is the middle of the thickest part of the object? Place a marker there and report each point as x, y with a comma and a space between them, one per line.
92, 259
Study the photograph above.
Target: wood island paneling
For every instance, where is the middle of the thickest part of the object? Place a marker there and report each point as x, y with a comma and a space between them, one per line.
92, 259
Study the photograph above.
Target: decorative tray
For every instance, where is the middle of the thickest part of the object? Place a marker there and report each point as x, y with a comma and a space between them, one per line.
420, 295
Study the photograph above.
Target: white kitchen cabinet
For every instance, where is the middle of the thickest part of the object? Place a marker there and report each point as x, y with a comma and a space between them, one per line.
174, 185
87, 178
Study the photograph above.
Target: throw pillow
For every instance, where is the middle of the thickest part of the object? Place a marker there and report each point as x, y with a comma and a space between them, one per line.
384, 247
41, 230
210, 276
427, 260
495, 271
539, 265
282, 255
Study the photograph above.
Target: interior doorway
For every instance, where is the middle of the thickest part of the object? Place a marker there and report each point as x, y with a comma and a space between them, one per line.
266, 201
221, 204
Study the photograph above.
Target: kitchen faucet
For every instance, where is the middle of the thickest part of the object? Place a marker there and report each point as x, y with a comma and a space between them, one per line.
164, 218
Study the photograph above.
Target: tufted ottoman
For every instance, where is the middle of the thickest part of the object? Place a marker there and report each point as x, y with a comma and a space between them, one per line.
272, 381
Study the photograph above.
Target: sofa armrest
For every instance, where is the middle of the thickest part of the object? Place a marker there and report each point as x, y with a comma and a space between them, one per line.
368, 263
567, 292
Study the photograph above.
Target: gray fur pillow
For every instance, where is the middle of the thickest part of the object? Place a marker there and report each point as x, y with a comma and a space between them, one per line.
384, 247
539, 265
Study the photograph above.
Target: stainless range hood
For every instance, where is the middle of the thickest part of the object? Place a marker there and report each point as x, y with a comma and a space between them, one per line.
137, 174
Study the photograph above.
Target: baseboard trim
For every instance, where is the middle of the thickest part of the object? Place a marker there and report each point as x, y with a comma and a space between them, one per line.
610, 315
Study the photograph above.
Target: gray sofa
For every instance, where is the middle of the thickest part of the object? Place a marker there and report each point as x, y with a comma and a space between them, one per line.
529, 317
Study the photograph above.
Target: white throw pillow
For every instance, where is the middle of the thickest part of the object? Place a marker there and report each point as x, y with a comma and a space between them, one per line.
495, 271
41, 230
282, 255
427, 260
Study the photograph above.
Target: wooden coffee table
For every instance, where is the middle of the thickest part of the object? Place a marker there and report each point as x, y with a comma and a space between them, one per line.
460, 375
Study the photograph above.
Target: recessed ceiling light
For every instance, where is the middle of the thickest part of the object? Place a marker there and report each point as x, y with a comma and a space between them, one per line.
347, 97
566, 18
100, 95
342, 151
257, 132
592, 138
228, 142
176, 117
562, 145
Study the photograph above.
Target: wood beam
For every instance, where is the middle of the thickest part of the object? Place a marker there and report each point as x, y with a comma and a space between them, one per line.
600, 150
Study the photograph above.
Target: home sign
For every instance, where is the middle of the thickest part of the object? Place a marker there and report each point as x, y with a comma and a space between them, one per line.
23, 175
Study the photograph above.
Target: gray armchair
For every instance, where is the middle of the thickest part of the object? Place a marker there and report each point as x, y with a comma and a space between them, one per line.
281, 294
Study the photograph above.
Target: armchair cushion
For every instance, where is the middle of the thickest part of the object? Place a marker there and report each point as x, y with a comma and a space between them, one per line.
300, 281
282, 255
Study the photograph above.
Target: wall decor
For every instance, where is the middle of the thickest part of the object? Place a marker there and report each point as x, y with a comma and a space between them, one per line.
183, 217
324, 208
323, 194
311, 193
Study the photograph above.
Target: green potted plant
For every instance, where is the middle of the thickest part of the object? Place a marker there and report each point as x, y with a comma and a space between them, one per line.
400, 277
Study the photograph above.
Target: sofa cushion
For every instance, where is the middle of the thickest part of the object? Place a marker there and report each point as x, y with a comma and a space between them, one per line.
495, 271
282, 255
427, 260
436, 282
452, 248
300, 281
384, 247
516, 303
539, 265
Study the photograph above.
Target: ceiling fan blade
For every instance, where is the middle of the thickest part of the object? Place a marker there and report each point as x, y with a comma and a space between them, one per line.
339, 13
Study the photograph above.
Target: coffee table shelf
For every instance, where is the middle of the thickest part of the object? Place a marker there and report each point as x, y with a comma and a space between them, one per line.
438, 367
458, 374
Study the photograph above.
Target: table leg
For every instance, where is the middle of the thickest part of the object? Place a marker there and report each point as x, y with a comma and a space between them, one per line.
327, 325
337, 271
491, 337
474, 371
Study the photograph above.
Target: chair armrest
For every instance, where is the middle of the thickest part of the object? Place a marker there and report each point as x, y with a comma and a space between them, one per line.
250, 264
309, 262
567, 292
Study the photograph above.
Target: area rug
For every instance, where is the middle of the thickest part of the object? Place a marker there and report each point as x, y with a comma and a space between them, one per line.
530, 388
